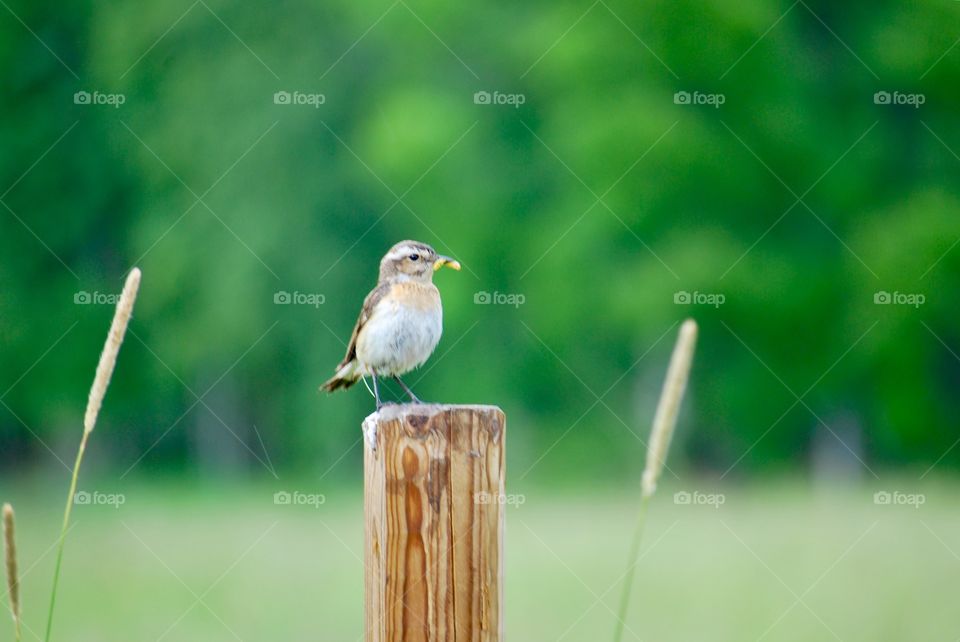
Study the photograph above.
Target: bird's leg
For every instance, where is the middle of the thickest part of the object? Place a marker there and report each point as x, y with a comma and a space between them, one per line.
413, 397
376, 391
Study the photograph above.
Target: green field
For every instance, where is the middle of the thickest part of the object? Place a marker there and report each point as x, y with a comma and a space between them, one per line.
784, 561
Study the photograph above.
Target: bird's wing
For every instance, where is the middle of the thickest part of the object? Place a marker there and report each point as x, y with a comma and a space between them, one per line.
366, 312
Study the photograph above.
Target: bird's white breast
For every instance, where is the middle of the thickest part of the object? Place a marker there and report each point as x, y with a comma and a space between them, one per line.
401, 333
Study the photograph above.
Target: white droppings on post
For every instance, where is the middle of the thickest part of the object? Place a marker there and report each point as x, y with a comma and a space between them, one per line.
370, 430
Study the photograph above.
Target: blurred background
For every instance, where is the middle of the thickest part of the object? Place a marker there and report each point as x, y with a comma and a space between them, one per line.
785, 173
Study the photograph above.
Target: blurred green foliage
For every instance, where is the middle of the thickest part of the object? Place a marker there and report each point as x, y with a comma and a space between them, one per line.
597, 199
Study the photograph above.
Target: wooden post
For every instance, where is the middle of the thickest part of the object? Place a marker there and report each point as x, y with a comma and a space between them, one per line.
433, 502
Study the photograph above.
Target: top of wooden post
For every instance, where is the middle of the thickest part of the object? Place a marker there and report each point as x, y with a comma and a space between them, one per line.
422, 414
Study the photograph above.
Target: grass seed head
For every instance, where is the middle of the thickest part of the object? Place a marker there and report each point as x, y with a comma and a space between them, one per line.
108, 358
668, 408
10, 549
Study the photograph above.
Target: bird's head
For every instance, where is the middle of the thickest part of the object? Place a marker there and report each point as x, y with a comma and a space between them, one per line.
413, 261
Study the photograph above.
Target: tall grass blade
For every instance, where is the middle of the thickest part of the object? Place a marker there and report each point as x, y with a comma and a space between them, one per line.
664, 421
108, 359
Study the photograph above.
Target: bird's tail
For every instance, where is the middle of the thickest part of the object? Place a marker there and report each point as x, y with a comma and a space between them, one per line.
345, 377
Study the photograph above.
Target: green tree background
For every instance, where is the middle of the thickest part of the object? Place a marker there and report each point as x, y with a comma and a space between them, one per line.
598, 200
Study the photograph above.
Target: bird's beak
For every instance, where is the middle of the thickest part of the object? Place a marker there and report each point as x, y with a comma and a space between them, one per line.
446, 260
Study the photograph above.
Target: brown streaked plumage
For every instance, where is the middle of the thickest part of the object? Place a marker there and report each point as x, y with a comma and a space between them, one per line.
400, 321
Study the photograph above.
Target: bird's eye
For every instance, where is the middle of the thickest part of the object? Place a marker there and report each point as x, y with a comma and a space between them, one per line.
414, 257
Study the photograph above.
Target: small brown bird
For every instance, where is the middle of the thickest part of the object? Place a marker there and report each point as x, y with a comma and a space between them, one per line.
401, 320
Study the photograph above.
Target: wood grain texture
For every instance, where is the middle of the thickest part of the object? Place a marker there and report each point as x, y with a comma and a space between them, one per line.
433, 489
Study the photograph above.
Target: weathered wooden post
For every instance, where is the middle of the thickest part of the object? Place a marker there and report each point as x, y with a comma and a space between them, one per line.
433, 502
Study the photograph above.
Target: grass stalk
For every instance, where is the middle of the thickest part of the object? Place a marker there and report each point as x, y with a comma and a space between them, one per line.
108, 360
13, 581
664, 421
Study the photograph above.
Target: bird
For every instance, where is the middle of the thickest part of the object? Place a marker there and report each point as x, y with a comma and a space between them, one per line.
400, 322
